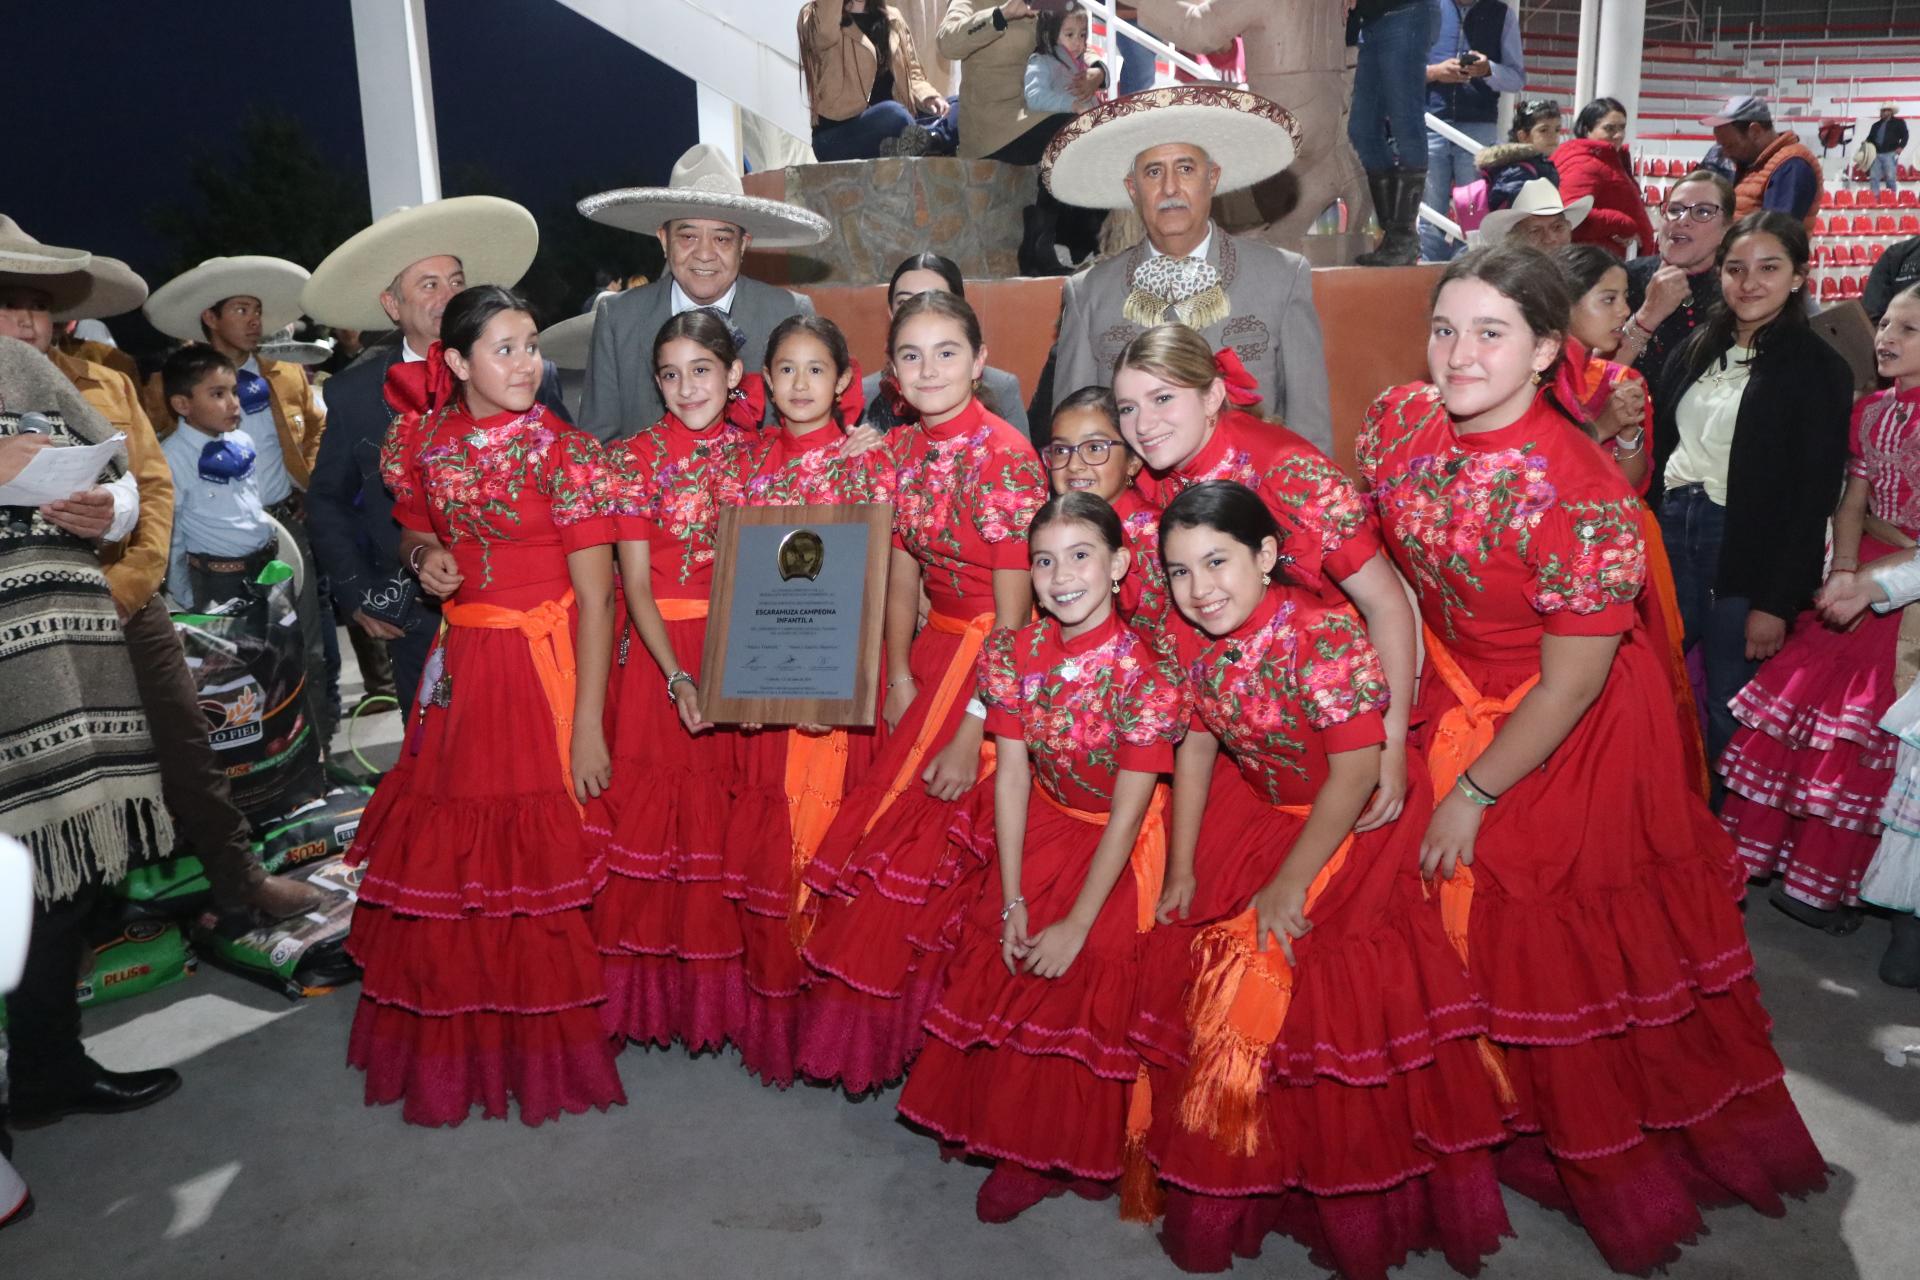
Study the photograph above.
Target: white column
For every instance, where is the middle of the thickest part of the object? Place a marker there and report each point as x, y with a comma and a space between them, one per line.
396, 102
1589, 50
719, 121
1616, 72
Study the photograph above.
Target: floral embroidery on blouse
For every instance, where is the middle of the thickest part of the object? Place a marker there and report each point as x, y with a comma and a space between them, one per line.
1077, 710
1262, 693
817, 475
682, 493
1304, 483
1606, 566
945, 488
1145, 589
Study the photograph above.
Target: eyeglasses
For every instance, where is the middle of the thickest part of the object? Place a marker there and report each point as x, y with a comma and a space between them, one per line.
1705, 211
1092, 452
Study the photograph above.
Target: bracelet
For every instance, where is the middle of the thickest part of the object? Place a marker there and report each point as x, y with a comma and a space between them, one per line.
900, 681
1008, 909
1633, 450
1467, 787
674, 678
413, 559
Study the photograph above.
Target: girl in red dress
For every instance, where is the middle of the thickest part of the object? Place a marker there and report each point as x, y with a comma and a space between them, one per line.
1189, 414
671, 942
1086, 453
1027, 1063
480, 978
791, 781
1595, 893
1310, 1032
887, 881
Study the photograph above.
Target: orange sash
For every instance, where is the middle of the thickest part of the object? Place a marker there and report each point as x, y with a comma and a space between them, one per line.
680, 610
1233, 1022
955, 683
550, 640
1140, 1198
816, 783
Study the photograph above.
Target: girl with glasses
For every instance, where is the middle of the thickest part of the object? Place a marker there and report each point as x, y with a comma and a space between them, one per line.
1086, 454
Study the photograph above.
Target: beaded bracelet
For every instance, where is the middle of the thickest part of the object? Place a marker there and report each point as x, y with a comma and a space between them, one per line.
1008, 909
1471, 790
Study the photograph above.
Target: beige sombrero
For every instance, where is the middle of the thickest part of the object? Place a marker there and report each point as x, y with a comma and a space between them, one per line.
58, 272
567, 343
114, 288
494, 239
704, 185
1250, 138
1538, 198
175, 306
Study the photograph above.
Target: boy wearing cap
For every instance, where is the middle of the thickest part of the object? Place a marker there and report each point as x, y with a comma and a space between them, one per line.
1773, 170
1888, 138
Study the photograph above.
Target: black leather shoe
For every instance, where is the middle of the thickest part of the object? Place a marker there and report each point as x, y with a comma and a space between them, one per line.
94, 1090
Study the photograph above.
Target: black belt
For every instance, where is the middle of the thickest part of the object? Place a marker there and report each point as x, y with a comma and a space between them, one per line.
251, 563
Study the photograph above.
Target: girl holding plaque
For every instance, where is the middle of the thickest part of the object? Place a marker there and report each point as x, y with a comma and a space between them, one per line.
1027, 1061
887, 880
791, 781
670, 940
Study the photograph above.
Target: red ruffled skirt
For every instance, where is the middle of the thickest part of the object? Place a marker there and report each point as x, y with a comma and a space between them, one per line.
1808, 774
759, 878
1606, 938
669, 940
1022, 1068
1380, 1118
480, 979
886, 900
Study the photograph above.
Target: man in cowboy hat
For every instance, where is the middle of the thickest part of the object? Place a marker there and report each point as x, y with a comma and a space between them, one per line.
1167, 153
705, 222
232, 304
1888, 138
398, 274
192, 778
1537, 217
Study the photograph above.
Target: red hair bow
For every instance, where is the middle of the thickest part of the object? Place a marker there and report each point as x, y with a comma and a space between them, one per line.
853, 401
420, 386
1242, 388
747, 406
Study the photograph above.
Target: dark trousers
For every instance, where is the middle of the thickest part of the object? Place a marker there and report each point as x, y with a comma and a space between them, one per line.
1692, 525
316, 620
191, 776
1031, 145
860, 137
43, 1013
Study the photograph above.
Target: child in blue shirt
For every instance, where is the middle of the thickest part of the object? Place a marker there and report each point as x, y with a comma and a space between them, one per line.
221, 535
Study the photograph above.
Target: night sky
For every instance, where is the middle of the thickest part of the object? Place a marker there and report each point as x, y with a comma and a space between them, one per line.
112, 97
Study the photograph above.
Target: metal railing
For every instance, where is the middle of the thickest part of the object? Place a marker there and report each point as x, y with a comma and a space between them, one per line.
1471, 146
1118, 26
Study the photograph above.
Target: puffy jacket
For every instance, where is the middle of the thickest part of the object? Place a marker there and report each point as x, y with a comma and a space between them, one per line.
1603, 170
1509, 166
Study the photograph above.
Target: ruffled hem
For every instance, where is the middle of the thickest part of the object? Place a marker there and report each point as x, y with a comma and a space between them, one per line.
1840, 787
1825, 687
758, 863
455, 857
664, 1001
861, 1041
440, 1068
1819, 863
908, 856
686, 920
482, 964
671, 827
1047, 1114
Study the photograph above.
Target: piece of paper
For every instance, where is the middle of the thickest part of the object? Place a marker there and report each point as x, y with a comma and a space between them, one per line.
53, 474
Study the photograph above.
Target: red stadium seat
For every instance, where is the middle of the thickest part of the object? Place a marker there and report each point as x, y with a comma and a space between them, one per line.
1850, 287
1873, 254
1842, 199
1657, 167
1818, 226
1909, 224
1885, 224
1886, 200
1653, 196
1859, 255
1909, 199
1829, 289
1862, 224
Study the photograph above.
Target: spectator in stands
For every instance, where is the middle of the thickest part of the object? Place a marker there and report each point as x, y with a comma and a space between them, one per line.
1888, 138
865, 86
1594, 162
931, 273
1897, 271
1539, 216
1386, 125
1474, 58
1527, 153
1058, 73
1671, 291
1774, 170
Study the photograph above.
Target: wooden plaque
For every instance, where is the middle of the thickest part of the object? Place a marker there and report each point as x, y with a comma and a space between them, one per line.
796, 616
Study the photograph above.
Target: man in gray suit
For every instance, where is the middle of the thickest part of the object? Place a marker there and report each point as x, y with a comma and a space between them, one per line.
705, 223
1166, 154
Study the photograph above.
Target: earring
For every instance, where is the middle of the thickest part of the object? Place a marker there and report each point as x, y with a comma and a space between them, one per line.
1536, 377
1116, 587
1266, 579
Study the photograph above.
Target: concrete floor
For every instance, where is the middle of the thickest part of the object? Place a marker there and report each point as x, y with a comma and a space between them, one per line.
266, 1163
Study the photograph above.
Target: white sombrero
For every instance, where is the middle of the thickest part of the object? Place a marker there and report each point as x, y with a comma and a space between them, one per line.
55, 271
704, 185
175, 307
1250, 138
567, 343
298, 350
494, 239
114, 288
1538, 198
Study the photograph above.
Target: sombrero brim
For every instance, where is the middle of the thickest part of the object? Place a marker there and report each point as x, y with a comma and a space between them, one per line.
175, 307
494, 239
567, 343
113, 289
1250, 138
297, 352
67, 289
1494, 226
772, 223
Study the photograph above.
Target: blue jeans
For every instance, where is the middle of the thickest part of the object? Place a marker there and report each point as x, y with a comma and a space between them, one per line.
860, 137
1390, 90
1886, 169
1692, 525
1448, 167
1136, 64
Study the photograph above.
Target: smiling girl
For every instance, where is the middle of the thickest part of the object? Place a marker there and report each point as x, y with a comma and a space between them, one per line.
1591, 889
1085, 453
1028, 1062
886, 878
671, 941
1307, 1027
479, 977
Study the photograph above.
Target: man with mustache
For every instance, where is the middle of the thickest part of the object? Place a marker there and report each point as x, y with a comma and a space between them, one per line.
1166, 154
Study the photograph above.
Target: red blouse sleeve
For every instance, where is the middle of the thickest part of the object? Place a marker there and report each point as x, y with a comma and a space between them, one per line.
1588, 557
576, 484
999, 684
1338, 673
1009, 490
399, 468
628, 492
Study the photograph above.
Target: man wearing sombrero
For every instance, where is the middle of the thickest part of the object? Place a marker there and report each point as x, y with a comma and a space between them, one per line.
399, 274
705, 222
33, 306
1166, 153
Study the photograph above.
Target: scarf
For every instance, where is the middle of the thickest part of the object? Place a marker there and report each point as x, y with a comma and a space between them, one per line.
420, 386
224, 460
1191, 286
78, 783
